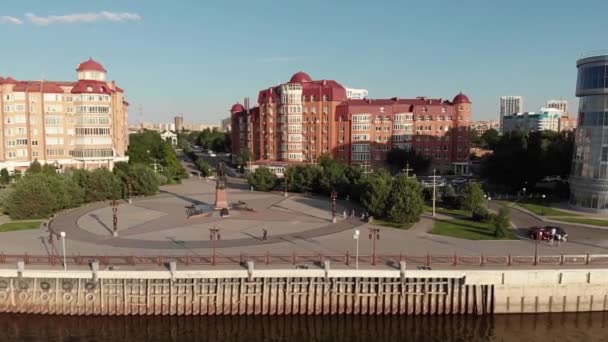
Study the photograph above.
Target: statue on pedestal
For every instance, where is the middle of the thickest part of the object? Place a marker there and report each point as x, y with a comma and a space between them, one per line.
221, 197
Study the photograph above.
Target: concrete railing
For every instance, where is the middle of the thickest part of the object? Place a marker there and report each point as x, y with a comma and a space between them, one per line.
305, 260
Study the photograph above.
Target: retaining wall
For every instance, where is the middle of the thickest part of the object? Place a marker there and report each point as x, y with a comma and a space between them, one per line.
285, 292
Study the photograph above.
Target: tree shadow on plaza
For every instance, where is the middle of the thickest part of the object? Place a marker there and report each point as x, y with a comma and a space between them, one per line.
185, 198
96, 218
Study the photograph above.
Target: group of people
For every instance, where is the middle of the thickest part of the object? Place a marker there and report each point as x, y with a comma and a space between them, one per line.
365, 216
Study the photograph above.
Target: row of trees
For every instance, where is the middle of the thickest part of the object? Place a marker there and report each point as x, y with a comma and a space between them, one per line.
209, 139
42, 191
521, 159
201, 165
373, 190
148, 148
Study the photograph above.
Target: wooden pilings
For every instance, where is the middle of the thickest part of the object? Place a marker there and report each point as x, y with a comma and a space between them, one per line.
246, 296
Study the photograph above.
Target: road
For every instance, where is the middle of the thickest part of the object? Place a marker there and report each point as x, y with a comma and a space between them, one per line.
583, 236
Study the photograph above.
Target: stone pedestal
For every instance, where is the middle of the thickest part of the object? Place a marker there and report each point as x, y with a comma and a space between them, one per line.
221, 199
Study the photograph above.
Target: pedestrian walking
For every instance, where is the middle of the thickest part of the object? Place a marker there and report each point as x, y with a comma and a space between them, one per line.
352, 214
344, 214
264, 234
553, 235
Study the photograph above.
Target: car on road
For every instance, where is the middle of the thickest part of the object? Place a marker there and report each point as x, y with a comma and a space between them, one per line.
211, 153
551, 179
546, 233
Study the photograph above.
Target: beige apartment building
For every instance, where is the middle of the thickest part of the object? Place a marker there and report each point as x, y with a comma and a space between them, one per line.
80, 124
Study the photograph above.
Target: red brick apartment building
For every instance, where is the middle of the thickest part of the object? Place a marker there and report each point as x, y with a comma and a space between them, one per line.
298, 121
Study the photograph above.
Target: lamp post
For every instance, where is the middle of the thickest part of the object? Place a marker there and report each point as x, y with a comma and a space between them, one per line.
65, 264
539, 236
334, 195
434, 178
543, 205
374, 234
214, 235
524, 191
114, 218
285, 183
356, 237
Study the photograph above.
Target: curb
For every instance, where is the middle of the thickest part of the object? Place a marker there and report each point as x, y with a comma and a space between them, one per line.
544, 219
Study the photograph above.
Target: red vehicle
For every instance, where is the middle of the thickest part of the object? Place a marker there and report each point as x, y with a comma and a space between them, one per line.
545, 233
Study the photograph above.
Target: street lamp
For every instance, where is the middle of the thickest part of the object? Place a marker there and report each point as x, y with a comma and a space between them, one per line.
543, 205
374, 234
334, 195
539, 236
285, 183
356, 237
65, 264
114, 218
524, 190
434, 178
214, 235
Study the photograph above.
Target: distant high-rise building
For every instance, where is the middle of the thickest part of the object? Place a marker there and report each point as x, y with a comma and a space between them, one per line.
356, 94
558, 104
179, 123
546, 119
510, 105
483, 126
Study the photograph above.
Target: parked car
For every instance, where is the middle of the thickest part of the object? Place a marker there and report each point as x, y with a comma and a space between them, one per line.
551, 179
546, 233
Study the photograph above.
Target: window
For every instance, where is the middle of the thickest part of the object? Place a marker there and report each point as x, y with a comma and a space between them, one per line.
34, 154
604, 153
34, 142
420, 118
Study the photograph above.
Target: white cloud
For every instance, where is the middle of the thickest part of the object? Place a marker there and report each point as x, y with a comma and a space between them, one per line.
10, 20
82, 18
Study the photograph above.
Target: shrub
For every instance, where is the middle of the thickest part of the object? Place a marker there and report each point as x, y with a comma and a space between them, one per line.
481, 214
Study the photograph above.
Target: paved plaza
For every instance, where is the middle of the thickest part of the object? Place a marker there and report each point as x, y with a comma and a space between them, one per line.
297, 223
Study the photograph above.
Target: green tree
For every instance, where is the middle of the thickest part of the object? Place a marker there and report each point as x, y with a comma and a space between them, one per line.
473, 197
203, 167
475, 138
405, 202
262, 179
501, 223
376, 188
35, 167
38, 195
142, 179
99, 184
5, 177
489, 139
172, 167
145, 147
398, 159
49, 169
302, 178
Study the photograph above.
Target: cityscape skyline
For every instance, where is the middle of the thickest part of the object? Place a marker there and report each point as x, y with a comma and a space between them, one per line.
213, 73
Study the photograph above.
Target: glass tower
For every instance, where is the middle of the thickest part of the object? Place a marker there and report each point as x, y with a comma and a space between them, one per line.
589, 177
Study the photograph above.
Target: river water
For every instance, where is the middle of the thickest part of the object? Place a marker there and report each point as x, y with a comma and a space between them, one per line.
554, 327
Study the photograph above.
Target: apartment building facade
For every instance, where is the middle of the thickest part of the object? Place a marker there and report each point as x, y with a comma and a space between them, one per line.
81, 124
299, 121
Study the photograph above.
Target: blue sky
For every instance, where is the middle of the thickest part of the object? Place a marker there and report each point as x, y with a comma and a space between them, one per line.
199, 57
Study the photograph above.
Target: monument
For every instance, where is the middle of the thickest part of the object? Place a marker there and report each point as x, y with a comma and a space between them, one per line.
221, 197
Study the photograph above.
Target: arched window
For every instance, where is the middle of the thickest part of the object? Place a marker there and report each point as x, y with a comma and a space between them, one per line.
428, 117
449, 117
440, 117
420, 118
387, 118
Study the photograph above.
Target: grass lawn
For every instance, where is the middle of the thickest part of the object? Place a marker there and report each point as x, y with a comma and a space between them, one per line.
19, 225
544, 210
596, 222
468, 229
390, 224
446, 211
